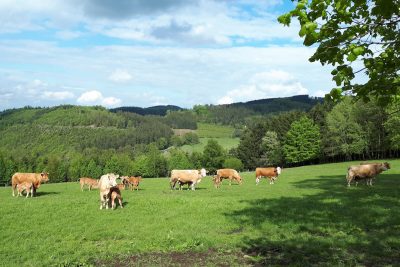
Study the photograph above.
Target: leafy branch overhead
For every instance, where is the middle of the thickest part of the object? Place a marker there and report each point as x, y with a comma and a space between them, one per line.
361, 38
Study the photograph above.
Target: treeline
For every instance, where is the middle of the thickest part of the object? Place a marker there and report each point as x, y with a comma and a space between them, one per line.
327, 133
144, 160
237, 114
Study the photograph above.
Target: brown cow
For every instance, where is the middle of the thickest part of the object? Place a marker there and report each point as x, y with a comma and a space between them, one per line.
134, 182
115, 193
271, 173
230, 174
25, 186
35, 178
365, 171
90, 182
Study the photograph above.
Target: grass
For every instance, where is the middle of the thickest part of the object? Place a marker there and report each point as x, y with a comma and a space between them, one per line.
222, 134
309, 217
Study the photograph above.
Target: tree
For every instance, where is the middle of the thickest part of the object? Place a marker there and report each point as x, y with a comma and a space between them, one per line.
302, 141
178, 160
271, 147
249, 150
213, 155
392, 125
349, 32
233, 163
345, 134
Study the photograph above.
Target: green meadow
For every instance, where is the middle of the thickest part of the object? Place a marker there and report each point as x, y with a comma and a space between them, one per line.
221, 133
308, 217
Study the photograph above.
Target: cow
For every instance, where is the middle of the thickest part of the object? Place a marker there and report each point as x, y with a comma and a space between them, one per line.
115, 193
35, 178
121, 186
230, 174
134, 182
90, 182
27, 186
191, 177
365, 172
271, 173
217, 181
107, 181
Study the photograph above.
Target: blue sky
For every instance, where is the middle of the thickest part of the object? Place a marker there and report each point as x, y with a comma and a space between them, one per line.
151, 52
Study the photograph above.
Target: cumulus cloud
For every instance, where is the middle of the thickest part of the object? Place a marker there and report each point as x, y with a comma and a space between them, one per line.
275, 83
95, 97
57, 95
120, 76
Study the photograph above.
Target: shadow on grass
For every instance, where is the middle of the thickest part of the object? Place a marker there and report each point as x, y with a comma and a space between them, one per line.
44, 193
339, 225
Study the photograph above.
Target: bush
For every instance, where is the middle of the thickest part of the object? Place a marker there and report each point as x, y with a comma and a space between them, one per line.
233, 163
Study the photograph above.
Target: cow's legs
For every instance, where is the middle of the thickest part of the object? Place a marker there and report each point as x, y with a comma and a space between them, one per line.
257, 180
120, 202
14, 187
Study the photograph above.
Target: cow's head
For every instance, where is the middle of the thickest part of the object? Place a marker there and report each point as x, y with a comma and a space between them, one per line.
112, 179
203, 172
278, 170
386, 166
239, 179
44, 177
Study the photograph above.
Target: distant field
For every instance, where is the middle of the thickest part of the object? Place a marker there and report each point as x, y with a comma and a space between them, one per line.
309, 217
205, 131
214, 131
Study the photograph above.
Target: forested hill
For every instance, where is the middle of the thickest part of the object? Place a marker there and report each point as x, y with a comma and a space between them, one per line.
155, 110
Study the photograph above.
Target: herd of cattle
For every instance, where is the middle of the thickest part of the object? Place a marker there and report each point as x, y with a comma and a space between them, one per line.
110, 190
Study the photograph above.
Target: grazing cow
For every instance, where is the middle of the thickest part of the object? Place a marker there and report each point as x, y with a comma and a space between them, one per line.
230, 174
191, 177
365, 171
107, 181
90, 182
121, 186
217, 181
35, 178
271, 173
27, 186
115, 193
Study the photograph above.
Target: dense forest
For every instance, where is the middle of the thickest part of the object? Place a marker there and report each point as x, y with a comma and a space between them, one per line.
74, 141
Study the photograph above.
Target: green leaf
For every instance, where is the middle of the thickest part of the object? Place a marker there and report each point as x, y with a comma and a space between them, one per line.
351, 57
358, 50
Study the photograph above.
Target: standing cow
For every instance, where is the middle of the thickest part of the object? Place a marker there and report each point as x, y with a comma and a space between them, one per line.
230, 174
191, 177
271, 173
35, 178
365, 172
107, 181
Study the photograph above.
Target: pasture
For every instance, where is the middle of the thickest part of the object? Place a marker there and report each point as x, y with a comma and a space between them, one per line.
221, 133
308, 217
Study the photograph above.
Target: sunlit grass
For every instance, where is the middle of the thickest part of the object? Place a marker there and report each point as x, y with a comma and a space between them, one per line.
309, 216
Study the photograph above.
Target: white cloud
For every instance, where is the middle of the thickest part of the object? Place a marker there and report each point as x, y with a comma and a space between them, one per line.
95, 97
275, 83
111, 101
58, 95
90, 97
68, 35
120, 76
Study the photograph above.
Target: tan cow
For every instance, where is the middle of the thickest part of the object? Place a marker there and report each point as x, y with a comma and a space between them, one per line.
90, 182
191, 177
271, 173
115, 193
134, 182
107, 181
25, 186
365, 171
230, 174
35, 178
